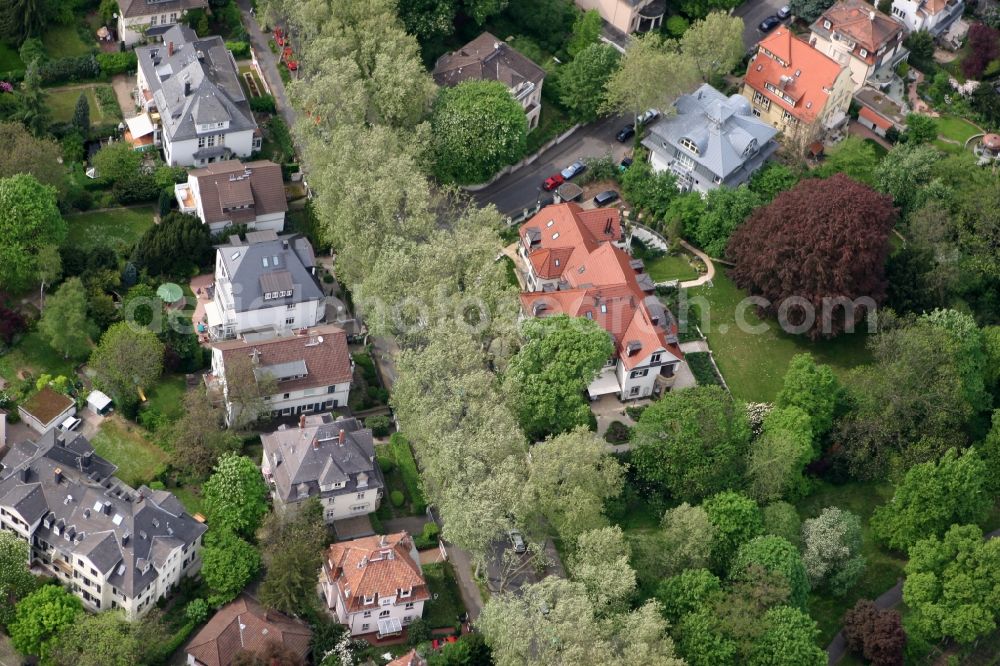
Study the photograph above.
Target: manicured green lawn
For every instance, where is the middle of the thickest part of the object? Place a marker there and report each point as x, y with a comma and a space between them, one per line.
754, 364
62, 103
190, 497
9, 58
671, 267
956, 128
511, 272
167, 396
63, 41
34, 354
125, 444
883, 568
445, 609
109, 226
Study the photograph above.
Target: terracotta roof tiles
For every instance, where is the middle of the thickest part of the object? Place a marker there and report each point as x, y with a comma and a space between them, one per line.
219, 641
373, 567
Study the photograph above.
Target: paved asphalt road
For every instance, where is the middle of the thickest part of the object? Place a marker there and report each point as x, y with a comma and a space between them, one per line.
522, 188
752, 13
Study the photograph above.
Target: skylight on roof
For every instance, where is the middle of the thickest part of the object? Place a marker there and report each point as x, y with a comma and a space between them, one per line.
550, 223
117, 520
98, 505
265, 262
555, 235
235, 255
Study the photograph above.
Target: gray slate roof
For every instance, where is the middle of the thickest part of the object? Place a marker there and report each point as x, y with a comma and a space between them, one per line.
117, 527
312, 455
289, 263
731, 141
133, 8
196, 85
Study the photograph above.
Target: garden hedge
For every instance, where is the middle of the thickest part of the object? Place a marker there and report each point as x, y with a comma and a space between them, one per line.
63, 70
124, 62
403, 456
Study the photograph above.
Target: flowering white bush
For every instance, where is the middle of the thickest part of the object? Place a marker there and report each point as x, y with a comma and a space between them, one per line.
756, 413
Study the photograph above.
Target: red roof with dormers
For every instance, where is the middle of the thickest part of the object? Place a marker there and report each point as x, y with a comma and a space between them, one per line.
375, 567
598, 281
869, 28
796, 69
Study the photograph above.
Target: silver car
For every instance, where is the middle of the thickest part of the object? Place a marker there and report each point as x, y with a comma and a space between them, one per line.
517, 540
574, 169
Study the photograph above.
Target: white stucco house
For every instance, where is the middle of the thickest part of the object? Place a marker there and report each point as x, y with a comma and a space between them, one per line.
857, 35
311, 369
575, 265
233, 192
934, 16
190, 88
374, 585
329, 458
141, 19
265, 286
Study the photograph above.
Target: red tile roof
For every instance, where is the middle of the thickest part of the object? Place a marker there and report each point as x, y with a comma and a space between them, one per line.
219, 641
374, 567
875, 118
864, 24
598, 277
797, 69
328, 362
411, 658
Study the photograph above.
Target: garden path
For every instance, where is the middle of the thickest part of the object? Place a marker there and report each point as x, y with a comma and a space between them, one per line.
709, 266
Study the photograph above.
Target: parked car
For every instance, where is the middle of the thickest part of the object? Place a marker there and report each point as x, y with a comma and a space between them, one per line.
769, 24
606, 197
574, 169
517, 540
71, 423
784, 12
647, 117
552, 182
625, 163
626, 133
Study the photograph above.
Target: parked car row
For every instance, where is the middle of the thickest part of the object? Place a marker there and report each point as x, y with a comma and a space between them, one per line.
774, 20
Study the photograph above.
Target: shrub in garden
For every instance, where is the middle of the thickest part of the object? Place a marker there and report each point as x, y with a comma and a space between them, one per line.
263, 104
123, 62
397, 498
240, 50
418, 631
196, 611
618, 433
676, 25
428, 537
61, 70
403, 455
379, 424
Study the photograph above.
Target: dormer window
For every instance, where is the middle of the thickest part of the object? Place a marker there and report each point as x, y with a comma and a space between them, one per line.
864, 53
405, 593
369, 600
827, 25
690, 145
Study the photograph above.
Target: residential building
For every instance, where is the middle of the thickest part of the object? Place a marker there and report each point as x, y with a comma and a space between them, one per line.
712, 140
46, 409
311, 371
245, 626
114, 546
796, 88
879, 112
265, 286
486, 58
628, 16
375, 584
411, 658
139, 19
233, 192
190, 88
575, 265
934, 16
857, 35
325, 457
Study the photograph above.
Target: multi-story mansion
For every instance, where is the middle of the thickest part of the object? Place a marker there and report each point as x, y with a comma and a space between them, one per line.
857, 35
138, 19
575, 265
265, 286
375, 584
114, 546
312, 371
332, 459
189, 87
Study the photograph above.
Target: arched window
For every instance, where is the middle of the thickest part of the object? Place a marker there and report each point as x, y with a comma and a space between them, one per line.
689, 145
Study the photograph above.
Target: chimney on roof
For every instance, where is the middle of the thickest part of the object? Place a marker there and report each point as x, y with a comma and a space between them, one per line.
340, 437
25, 474
58, 474
187, 88
315, 443
381, 540
302, 421
85, 459
107, 508
125, 538
170, 48
871, 16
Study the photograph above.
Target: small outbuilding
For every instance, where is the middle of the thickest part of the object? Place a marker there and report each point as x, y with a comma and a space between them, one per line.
46, 409
98, 402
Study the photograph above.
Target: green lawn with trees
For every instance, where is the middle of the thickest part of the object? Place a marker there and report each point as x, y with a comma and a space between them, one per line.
62, 104
671, 267
118, 225
127, 445
444, 610
64, 41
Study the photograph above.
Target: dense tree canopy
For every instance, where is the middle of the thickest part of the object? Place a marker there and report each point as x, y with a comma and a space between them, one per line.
689, 535
197, 437
692, 442
788, 640
236, 495
581, 81
478, 129
714, 44
725, 210
24, 153
292, 548
40, 617
601, 563
952, 586
228, 564
932, 497
812, 388
779, 455
29, 220
105, 639
874, 633
175, 246
737, 519
127, 360
546, 378
64, 321
832, 553
777, 556
777, 253
16, 581
652, 74
810, 10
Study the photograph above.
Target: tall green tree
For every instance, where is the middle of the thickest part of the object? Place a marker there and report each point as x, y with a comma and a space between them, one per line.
49, 264
32, 108
586, 32
175, 246
777, 556
236, 495
16, 581
570, 478
952, 586
903, 173
81, 115
812, 388
40, 617
693, 443
228, 564
601, 562
652, 74
832, 554
932, 497
546, 378
736, 519
969, 356
198, 438
24, 153
127, 360
292, 548
20, 19
117, 162
689, 536
428, 19
779, 455
789, 640
64, 322
106, 639
726, 208
478, 129
29, 221
581, 81
714, 44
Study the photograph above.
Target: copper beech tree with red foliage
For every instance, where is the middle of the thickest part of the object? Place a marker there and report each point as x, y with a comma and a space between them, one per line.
817, 246
875, 634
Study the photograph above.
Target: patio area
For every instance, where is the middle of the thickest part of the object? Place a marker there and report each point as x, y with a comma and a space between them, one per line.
201, 287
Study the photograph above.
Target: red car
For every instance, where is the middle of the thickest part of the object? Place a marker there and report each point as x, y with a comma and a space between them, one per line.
552, 182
